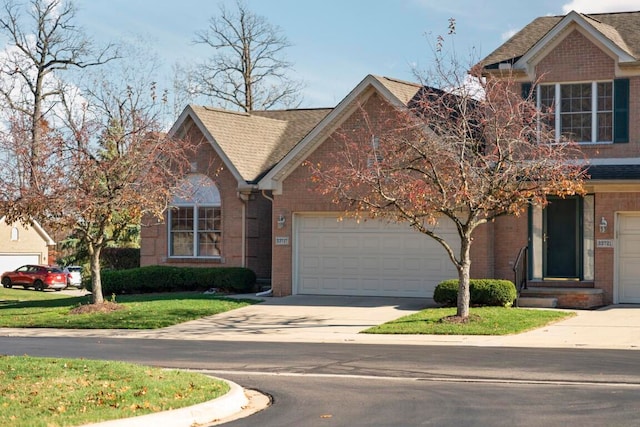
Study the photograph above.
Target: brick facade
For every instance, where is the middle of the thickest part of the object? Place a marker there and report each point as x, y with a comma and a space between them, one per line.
251, 242
573, 56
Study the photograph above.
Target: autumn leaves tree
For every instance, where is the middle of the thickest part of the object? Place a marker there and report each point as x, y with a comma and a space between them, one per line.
86, 155
469, 153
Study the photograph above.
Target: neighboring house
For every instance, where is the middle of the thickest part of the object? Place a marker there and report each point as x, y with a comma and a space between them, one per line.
588, 67
20, 244
252, 203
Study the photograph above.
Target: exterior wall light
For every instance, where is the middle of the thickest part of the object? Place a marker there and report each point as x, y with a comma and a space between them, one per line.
281, 221
603, 225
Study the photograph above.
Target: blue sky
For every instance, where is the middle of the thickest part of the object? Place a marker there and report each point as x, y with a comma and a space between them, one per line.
336, 43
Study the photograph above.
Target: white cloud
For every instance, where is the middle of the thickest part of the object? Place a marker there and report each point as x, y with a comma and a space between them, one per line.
599, 6
508, 34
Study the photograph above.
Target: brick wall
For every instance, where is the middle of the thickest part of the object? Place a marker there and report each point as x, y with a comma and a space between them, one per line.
300, 195
154, 239
577, 59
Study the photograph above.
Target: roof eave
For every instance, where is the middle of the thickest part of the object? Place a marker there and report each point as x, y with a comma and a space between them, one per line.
189, 112
526, 61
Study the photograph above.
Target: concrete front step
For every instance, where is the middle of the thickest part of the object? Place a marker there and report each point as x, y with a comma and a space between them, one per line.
537, 302
567, 297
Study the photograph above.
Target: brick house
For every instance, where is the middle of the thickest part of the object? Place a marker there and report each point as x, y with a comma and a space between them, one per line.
254, 207
588, 67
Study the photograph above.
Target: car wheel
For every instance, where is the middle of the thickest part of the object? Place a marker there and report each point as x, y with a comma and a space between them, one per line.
6, 282
38, 285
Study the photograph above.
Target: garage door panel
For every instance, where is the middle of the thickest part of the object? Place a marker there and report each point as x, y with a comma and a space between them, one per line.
9, 262
628, 259
368, 258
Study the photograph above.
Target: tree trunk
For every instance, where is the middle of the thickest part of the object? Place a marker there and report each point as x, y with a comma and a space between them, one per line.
96, 282
464, 269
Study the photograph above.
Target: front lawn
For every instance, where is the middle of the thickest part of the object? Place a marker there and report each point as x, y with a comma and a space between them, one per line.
42, 392
21, 308
482, 321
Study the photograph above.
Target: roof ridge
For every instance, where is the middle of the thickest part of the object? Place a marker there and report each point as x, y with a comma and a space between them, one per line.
219, 110
406, 82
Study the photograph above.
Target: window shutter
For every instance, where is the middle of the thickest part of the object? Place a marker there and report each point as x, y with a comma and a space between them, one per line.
621, 110
526, 90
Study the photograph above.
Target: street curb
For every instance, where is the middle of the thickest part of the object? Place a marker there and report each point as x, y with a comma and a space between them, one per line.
204, 413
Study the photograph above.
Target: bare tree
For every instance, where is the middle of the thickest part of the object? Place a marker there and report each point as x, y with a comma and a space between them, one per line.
43, 43
450, 155
247, 69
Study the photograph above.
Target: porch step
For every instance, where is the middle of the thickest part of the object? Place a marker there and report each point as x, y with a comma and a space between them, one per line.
538, 302
567, 297
560, 283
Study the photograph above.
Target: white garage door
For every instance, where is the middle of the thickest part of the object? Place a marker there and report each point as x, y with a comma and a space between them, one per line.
629, 258
372, 258
9, 262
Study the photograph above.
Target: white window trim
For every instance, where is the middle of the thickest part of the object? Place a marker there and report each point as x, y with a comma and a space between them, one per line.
594, 110
194, 230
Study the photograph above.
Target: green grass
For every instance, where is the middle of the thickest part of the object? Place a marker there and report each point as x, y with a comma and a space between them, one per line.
46, 392
29, 309
482, 321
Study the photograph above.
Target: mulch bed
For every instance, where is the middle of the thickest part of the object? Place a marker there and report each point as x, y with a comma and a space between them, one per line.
105, 307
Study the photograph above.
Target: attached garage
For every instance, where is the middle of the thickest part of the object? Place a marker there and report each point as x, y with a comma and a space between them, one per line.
369, 258
9, 262
629, 258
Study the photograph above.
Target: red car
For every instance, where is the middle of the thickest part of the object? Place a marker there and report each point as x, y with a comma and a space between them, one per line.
39, 277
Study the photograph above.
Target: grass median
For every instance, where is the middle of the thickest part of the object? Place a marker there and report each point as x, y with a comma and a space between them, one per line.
21, 308
481, 321
47, 392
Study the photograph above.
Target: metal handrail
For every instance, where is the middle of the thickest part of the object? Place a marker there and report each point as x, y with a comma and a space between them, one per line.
520, 270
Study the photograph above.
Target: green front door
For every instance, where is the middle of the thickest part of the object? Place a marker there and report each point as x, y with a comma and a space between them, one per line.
562, 238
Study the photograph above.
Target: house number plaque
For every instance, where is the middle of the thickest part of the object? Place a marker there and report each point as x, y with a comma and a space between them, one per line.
282, 241
604, 243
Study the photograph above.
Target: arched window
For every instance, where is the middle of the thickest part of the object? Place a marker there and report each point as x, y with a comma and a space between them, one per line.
14, 234
195, 226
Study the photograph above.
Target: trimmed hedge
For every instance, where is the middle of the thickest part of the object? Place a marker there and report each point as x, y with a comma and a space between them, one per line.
158, 278
491, 292
120, 258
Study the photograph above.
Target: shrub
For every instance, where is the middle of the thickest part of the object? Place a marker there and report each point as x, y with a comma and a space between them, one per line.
492, 292
158, 278
120, 258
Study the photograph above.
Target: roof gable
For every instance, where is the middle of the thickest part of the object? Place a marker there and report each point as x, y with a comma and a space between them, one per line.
397, 92
38, 228
250, 143
616, 32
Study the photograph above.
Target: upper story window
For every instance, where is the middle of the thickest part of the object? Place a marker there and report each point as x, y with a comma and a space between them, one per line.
195, 225
14, 234
588, 112
581, 112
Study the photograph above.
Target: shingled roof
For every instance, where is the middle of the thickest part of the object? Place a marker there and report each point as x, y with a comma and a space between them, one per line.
621, 28
254, 142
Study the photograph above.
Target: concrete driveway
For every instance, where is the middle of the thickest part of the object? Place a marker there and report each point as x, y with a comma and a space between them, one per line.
300, 318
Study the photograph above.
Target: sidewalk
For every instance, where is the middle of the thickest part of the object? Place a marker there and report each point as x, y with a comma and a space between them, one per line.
334, 319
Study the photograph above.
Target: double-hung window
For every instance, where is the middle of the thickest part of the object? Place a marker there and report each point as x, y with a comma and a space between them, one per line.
580, 112
588, 112
195, 226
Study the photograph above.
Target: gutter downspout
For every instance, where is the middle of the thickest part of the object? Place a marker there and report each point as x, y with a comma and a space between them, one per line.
268, 292
244, 198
